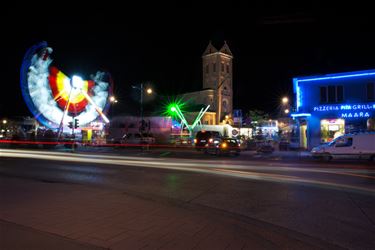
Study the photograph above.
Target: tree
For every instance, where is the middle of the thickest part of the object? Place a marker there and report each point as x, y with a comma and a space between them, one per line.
256, 116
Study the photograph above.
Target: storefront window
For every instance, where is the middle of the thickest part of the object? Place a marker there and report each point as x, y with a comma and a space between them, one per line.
331, 129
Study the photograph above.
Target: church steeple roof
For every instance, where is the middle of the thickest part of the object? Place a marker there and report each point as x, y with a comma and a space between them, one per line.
225, 49
210, 49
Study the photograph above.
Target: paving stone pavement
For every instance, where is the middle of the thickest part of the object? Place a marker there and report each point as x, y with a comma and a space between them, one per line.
81, 217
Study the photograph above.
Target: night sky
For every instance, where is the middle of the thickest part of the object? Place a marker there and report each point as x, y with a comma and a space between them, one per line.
272, 42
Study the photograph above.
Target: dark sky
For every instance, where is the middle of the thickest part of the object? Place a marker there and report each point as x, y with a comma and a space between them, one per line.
272, 41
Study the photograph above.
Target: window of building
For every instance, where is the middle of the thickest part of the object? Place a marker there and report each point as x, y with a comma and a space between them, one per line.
331, 94
339, 93
214, 67
323, 94
222, 67
225, 106
207, 69
370, 91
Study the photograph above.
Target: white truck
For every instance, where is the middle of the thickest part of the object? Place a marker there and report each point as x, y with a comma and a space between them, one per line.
348, 146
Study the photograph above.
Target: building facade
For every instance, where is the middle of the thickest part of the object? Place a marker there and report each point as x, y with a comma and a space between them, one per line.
217, 88
159, 127
327, 106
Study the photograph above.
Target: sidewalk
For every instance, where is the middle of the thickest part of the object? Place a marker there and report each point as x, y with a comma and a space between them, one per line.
18, 237
81, 217
282, 154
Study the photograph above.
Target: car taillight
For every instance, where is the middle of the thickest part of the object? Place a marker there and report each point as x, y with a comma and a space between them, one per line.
211, 140
224, 145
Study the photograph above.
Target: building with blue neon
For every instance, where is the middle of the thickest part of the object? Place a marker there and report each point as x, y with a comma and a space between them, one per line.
327, 106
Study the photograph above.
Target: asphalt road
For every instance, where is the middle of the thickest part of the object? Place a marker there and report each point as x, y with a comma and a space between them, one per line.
332, 202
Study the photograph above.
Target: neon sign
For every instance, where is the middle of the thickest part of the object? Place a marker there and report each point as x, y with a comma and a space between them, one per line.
355, 114
301, 115
354, 107
358, 110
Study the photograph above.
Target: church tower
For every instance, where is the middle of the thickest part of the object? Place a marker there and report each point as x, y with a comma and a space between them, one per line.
217, 75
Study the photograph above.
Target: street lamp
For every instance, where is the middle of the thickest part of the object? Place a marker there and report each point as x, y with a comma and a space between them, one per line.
112, 99
5, 121
284, 100
142, 89
285, 105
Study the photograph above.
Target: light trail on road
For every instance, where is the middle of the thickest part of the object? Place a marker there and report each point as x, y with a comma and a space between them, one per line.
249, 170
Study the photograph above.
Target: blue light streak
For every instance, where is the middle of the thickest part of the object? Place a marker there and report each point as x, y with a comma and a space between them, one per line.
336, 77
301, 115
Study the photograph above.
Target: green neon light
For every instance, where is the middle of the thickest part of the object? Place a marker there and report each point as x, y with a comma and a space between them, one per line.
196, 119
199, 117
171, 107
175, 109
181, 116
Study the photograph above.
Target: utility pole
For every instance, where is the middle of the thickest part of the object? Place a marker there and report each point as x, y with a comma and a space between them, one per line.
141, 107
149, 92
72, 125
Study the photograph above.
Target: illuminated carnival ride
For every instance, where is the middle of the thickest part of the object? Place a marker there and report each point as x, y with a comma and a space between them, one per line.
55, 99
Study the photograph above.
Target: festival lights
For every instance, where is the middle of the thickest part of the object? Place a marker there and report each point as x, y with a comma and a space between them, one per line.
54, 98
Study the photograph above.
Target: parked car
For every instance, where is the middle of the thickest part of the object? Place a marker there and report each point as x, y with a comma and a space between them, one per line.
348, 146
205, 139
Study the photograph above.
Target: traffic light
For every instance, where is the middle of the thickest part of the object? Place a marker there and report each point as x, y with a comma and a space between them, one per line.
70, 124
76, 124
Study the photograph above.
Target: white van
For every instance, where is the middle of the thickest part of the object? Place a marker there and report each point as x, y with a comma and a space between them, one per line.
349, 146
